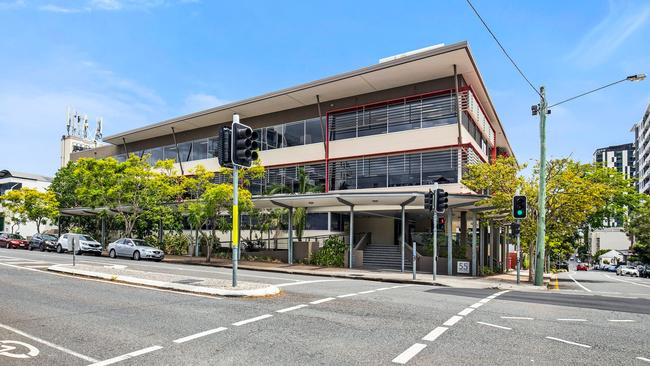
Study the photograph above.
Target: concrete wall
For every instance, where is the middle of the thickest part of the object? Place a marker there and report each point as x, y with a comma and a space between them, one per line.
609, 238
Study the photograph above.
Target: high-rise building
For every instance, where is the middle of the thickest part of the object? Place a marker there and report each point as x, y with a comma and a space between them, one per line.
620, 157
642, 152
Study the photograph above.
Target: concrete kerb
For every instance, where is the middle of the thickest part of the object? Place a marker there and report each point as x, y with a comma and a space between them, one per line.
265, 291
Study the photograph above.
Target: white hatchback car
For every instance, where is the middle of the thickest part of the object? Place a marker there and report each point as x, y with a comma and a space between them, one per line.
86, 244
629, 271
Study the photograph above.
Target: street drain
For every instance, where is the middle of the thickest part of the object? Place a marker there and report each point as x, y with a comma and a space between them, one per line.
188, 281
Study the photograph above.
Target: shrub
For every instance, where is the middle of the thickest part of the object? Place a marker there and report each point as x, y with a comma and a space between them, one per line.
331, 254
486, 271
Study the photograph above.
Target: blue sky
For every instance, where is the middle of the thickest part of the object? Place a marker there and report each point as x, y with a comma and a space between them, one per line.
138, 62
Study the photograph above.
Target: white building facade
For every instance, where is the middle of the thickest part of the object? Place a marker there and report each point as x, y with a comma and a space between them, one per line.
11, 180
641, 132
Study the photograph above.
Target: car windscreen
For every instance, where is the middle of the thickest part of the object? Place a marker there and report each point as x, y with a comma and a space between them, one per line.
48, 237
139, 242
14, 236
86, 238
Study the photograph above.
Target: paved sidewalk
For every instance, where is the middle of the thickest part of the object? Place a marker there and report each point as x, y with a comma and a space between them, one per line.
501, 281
193, 284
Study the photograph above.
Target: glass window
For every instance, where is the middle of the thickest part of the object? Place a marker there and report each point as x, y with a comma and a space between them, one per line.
120, 158
273, 137
398, 118
200, 149
185, 149
170, 153
316, 221
156, 154
373, 121
343, 125
372, 173
343, 175
404, 170
213, 144
439, 166
313, 131
294, 134
438, 111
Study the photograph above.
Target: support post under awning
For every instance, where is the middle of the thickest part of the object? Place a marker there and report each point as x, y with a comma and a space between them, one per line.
351, 229
474, 228
403, 236
290, 229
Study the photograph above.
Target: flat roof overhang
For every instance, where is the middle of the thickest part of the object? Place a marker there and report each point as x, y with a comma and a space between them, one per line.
428, 65
361, 200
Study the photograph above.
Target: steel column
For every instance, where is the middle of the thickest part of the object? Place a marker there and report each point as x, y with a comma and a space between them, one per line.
474, 228
450, 262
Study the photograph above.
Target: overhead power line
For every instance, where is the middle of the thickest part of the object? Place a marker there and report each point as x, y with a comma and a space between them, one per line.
502, 48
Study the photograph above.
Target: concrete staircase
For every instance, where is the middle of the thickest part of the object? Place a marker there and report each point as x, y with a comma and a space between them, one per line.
385, 257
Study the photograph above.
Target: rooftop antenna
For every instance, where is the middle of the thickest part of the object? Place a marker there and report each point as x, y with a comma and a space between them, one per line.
98, 129
68, 122
85, 127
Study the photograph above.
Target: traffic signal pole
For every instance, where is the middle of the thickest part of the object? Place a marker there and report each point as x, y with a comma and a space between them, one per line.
518, 255
235, 224
434, 261
541, 216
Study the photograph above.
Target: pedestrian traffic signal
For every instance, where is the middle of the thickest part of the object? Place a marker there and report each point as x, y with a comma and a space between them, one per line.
441, 200
224, 148
519, 207
244, 145
428, 201
441, 224
515, 228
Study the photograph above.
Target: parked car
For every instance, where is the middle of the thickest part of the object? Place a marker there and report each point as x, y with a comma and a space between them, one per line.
582, 267
644, 270
628, 271
562, 265
134, 248
611, 268
43, 242
86, 244
12, 241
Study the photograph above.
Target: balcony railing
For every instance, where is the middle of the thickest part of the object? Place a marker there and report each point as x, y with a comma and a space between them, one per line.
470, 105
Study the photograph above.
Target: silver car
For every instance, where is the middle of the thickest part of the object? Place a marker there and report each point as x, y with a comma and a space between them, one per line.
134, 248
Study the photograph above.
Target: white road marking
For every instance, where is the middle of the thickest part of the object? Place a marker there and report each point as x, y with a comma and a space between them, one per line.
405, 356
495, 326
49, 344
304, 283
466, 311
453, 320
571, 320
476, 306
322, 300
127, 356
291, 308
434, 334
367, 292
383, 288
643, 359
347, 295
626, 281
251, 320
199, 335
517, 317
620, 320
484, 301
569, 342
579, 284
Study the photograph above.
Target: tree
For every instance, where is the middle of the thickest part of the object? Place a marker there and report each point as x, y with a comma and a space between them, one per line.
28, 204
638, 228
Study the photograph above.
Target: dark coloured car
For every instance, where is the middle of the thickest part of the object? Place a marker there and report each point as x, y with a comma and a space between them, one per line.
562, 265
43, 242
12, 241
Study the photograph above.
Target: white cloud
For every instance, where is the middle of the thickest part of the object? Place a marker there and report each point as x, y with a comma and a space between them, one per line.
102, 5
622, 21
58, 9
199, 101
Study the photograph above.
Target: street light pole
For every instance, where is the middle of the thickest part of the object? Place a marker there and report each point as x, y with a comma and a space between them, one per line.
543, 110
541, 216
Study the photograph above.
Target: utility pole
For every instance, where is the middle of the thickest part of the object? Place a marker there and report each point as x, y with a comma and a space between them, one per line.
541, 216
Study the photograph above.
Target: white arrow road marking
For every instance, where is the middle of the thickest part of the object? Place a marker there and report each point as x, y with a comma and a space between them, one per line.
49, 344
33, 351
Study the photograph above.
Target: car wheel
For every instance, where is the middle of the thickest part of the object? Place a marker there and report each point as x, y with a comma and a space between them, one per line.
136, 255
112, 253
30, 247
59, 249
41, 248
158, 260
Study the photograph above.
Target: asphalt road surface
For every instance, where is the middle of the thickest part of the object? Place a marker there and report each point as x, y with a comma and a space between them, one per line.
51, 319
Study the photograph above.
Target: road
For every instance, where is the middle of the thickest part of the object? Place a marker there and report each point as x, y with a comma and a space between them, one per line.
315, 321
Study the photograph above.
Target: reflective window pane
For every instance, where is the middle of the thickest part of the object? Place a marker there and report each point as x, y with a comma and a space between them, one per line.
212, 147
294, 134
273, 137
170, 153
185, 149
200, 149
373, 121
156, 154
313, 131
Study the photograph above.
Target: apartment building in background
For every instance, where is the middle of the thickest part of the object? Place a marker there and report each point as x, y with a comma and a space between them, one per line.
620, 157
641, 132
372, 141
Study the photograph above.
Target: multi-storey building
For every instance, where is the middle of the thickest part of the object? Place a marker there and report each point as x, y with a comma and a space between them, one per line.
620, 157
642, 152
372, 141
11, 180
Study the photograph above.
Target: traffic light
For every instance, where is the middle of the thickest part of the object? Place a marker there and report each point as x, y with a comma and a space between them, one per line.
519, 207
441, 224
428, 201
515, 228
244, 145
224, 148
441, 200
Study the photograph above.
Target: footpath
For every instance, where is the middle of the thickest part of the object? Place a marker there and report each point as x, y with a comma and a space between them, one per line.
203, 286
500, 281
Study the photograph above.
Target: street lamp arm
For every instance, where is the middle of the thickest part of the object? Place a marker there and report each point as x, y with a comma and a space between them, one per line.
589, 92
636, 77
